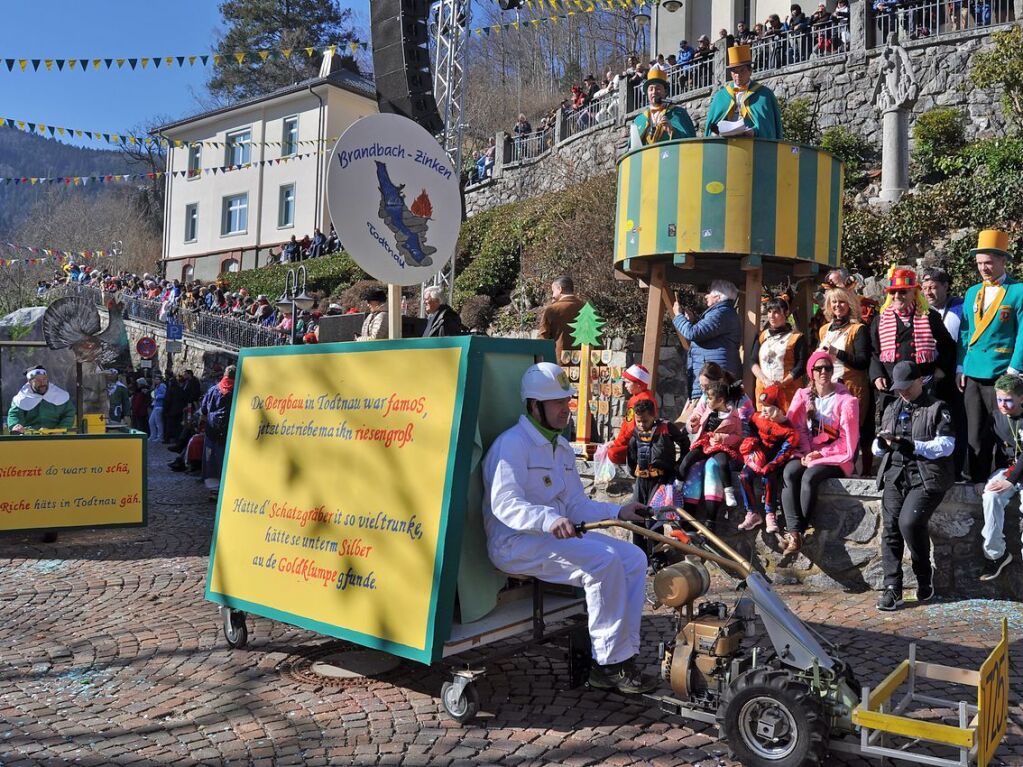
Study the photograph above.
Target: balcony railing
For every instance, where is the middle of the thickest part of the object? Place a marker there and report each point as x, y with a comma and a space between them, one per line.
532, 145
598, 112
216, 328
683, 79
820, 41
917, 19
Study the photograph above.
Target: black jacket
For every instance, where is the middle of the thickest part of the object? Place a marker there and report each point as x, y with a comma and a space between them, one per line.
928, 418
1010, 439
442, 323
656, 449
944, 364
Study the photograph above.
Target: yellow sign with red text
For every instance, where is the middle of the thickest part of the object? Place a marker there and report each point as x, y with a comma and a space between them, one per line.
335, 483
73, 480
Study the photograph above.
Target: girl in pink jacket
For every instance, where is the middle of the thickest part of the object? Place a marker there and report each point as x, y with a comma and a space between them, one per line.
827, 418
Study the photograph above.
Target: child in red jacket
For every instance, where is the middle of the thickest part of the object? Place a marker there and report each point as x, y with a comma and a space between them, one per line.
770, 441
637, 384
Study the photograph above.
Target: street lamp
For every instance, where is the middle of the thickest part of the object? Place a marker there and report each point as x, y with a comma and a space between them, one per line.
640, 21
671, 5
294, 297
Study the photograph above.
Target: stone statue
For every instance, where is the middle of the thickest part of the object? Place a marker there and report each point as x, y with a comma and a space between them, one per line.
896, 86
895, 93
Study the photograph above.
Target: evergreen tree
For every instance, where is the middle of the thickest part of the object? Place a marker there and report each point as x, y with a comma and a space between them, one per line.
587, 326
277, 25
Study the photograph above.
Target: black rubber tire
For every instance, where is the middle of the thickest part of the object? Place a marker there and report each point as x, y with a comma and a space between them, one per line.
793, 700
236, 632
463, 708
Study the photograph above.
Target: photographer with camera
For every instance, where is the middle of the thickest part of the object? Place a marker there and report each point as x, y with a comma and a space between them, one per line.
915, 445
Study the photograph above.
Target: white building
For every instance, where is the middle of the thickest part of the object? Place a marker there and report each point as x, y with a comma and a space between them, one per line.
243, 179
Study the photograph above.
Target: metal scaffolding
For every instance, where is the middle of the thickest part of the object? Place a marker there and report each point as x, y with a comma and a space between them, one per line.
449, 27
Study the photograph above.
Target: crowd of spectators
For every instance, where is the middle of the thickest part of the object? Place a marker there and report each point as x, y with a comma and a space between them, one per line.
308, 247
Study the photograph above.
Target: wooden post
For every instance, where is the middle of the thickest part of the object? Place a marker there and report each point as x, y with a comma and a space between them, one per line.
751, 317
582, 415
654, 323
804, 300
393, 311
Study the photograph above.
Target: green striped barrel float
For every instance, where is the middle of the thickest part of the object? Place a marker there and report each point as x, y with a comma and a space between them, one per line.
742, 196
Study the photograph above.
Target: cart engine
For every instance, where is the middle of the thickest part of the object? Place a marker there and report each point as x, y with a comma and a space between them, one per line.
699, 658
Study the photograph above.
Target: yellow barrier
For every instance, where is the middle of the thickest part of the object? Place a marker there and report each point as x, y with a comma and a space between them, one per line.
978, 738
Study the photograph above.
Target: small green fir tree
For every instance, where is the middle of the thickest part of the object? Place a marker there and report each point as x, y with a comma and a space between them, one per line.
587, 326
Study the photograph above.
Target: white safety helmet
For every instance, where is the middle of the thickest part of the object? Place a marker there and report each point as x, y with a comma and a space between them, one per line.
545, 381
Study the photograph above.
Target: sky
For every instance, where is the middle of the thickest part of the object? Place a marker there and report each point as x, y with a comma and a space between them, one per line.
110, 101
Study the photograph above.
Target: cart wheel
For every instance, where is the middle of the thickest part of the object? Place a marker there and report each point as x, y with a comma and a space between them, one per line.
235, 631
769, 719
461, 705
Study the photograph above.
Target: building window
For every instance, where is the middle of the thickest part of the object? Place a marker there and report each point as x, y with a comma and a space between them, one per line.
286, 206
187, 273
194, 159
229, 265
191, 222
289, 136
235, 219
238, 146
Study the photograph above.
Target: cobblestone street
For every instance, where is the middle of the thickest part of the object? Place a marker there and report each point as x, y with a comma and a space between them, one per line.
110, 655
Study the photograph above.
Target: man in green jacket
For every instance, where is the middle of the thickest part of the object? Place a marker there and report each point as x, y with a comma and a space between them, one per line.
40, 405
660, 121
744, 100
990, 344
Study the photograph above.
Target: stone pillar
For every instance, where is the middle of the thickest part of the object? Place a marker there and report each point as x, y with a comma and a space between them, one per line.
500, 153
1018, 10
559, 126
894, 154
895, 93
623, 100
859, 18
720, 63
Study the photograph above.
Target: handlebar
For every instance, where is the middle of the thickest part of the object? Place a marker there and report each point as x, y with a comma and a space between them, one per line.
734, 563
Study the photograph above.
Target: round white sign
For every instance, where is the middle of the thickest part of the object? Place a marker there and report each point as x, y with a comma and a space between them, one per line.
393, 196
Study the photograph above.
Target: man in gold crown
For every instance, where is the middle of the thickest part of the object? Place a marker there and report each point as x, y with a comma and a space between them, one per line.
744, 99
990, 344
661, 121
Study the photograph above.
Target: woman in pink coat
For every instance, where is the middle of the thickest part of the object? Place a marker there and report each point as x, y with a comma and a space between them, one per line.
827, 418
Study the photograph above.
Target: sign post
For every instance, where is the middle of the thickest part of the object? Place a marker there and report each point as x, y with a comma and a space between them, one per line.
394, 199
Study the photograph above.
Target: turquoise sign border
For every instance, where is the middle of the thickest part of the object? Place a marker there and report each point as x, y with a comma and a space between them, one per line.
453, 509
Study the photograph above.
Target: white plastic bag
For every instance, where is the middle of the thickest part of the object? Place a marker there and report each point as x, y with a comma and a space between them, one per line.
603, 468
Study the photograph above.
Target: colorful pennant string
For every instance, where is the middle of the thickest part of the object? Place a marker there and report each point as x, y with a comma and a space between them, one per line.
127, 139
147, 63
112, 178
42, 255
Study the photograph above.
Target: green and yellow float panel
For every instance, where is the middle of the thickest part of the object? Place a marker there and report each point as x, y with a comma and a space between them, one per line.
699, 203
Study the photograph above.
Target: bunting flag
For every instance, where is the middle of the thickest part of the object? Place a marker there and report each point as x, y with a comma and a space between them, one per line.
47, 254
143, 63
58, 132
112, 178
259, 56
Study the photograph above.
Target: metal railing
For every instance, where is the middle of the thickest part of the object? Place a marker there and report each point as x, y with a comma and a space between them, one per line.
810, 43
598, 112
916, 19
532, 145
683, 79
204, 325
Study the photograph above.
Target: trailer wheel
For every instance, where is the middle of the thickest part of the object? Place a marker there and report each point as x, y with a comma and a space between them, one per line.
461, 702
235, 631
769, 719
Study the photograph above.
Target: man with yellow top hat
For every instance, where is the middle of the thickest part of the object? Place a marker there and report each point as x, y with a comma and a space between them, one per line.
661, 121
990, 344
744, 99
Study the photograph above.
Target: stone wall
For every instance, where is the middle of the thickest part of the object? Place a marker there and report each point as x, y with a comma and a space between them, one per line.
843, 549
846, 85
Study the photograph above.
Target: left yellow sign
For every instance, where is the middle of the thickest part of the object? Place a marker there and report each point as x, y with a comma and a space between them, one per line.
72, 481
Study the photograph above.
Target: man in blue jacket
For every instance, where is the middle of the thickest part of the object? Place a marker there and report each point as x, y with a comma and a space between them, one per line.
715, 337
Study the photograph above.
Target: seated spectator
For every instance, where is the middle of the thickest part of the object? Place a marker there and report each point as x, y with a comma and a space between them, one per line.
319, 244
333, 243
305, 244
827, 418
292, 251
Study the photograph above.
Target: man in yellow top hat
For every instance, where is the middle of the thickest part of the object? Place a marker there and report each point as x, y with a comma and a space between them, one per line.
990, 344
661, 121
744, 99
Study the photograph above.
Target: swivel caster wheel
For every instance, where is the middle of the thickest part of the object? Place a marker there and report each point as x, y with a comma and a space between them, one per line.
235, 631
460, 699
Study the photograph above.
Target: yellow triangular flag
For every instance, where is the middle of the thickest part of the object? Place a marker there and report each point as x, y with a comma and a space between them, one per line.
240, 57
191, 60
309, 52
71, 63
264, 55
286, 52
23, 63
144, 62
